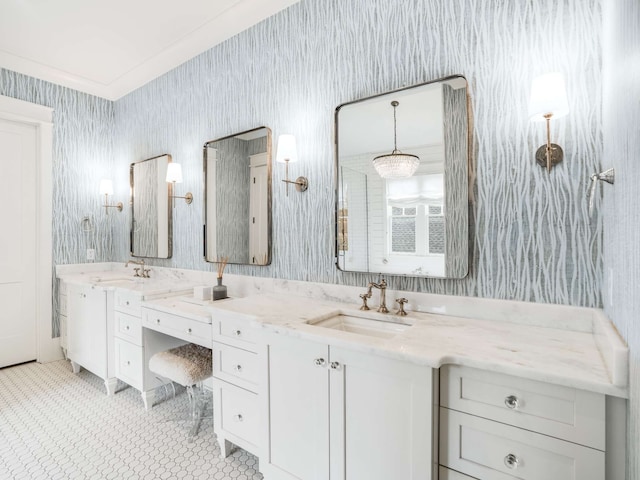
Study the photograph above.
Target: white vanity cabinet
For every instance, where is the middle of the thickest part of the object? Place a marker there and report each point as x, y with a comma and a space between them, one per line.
495, 426
62, 315
333, 413
135, 345
236, 377
90, 332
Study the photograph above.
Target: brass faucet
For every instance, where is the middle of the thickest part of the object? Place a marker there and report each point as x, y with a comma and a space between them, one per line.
382, 286
145, 271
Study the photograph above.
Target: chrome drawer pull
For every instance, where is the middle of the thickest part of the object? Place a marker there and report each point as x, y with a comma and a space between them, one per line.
511, 402
239, 418
511, 461
188, 330
335, 365
237, 333
319, 362
128, 363
238, 368
127, 327
127, 302
158, 321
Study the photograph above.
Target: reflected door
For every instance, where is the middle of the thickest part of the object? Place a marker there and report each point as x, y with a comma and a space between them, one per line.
17, 243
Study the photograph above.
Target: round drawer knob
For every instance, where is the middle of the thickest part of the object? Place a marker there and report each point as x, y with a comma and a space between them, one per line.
511, 402
239, 417
157, 320
319, 362
188, 330
237, 333
128, 363
511, 461
127, 327
238, 368
335, 365
127, 302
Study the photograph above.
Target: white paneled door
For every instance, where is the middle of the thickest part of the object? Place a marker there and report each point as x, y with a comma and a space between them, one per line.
18, 150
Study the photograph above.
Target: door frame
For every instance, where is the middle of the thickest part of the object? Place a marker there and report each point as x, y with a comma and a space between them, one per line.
48, 348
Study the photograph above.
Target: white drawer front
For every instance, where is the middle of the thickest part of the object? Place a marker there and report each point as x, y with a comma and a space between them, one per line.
237, 333
236, 366
129, 362
238, 412
490, 450
180, 327
127, 302
447, 474
562, 412
128, 327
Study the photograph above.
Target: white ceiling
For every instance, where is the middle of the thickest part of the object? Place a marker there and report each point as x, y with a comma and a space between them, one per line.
111, 47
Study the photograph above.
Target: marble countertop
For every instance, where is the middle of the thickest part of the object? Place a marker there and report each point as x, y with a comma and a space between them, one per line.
177, 305
565, 345
594, 360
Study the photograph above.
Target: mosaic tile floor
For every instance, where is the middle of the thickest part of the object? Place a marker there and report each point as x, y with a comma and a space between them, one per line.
57, 425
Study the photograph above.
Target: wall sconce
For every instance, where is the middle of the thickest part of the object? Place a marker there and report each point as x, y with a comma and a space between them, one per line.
548, 99
106, 189
288, 153
174, 175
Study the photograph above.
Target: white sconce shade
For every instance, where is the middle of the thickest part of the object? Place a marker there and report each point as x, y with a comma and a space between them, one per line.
287, 151
106, 187
174, 173
548, 96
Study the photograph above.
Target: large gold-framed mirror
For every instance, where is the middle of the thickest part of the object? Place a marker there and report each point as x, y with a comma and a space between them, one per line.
237, 177
151, 221
389, 219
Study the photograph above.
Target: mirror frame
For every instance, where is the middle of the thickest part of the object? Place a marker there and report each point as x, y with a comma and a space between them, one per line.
269, 195
169, 213
467, 226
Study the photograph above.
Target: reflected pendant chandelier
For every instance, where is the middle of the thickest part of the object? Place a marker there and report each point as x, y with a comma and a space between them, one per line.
396, 164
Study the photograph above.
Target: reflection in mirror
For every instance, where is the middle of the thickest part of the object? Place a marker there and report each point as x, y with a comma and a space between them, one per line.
238, 198
151, 221
414, 225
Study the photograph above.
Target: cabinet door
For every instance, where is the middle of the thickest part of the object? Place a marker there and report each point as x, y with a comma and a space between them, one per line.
87, 328
381, 418
297, 446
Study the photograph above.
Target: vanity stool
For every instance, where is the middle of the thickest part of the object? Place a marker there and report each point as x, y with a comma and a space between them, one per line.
188, 365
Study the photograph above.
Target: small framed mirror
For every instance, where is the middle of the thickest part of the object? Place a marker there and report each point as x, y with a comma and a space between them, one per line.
151, 220
402, 181
237, 176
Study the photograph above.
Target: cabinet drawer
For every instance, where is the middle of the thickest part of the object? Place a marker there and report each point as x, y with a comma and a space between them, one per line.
567, 413
128, 327
490, 450
129, 362
236, 366
184, 328
238, 412
127, 302
236, 332
447, 474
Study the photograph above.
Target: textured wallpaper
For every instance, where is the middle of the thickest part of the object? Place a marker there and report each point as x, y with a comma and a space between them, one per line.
621, 118
531, 238
82, 154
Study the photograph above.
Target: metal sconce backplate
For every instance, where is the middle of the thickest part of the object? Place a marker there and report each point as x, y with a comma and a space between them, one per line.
556, 155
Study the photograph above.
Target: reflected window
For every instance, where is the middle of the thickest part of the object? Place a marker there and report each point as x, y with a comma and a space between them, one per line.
415, 215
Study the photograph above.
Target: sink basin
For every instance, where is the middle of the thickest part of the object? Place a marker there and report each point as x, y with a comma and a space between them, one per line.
111, 281
379, 327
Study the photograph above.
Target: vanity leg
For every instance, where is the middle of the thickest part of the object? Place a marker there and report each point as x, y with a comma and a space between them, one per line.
111, 384
75, 368
226, 447
147, 398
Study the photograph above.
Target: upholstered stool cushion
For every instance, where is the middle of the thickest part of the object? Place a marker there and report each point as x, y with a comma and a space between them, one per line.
186, 365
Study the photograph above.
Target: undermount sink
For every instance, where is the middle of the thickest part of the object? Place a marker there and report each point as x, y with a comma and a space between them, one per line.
380, 325
108, 281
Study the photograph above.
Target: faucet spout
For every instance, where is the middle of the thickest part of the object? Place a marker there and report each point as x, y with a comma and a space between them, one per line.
382, 286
